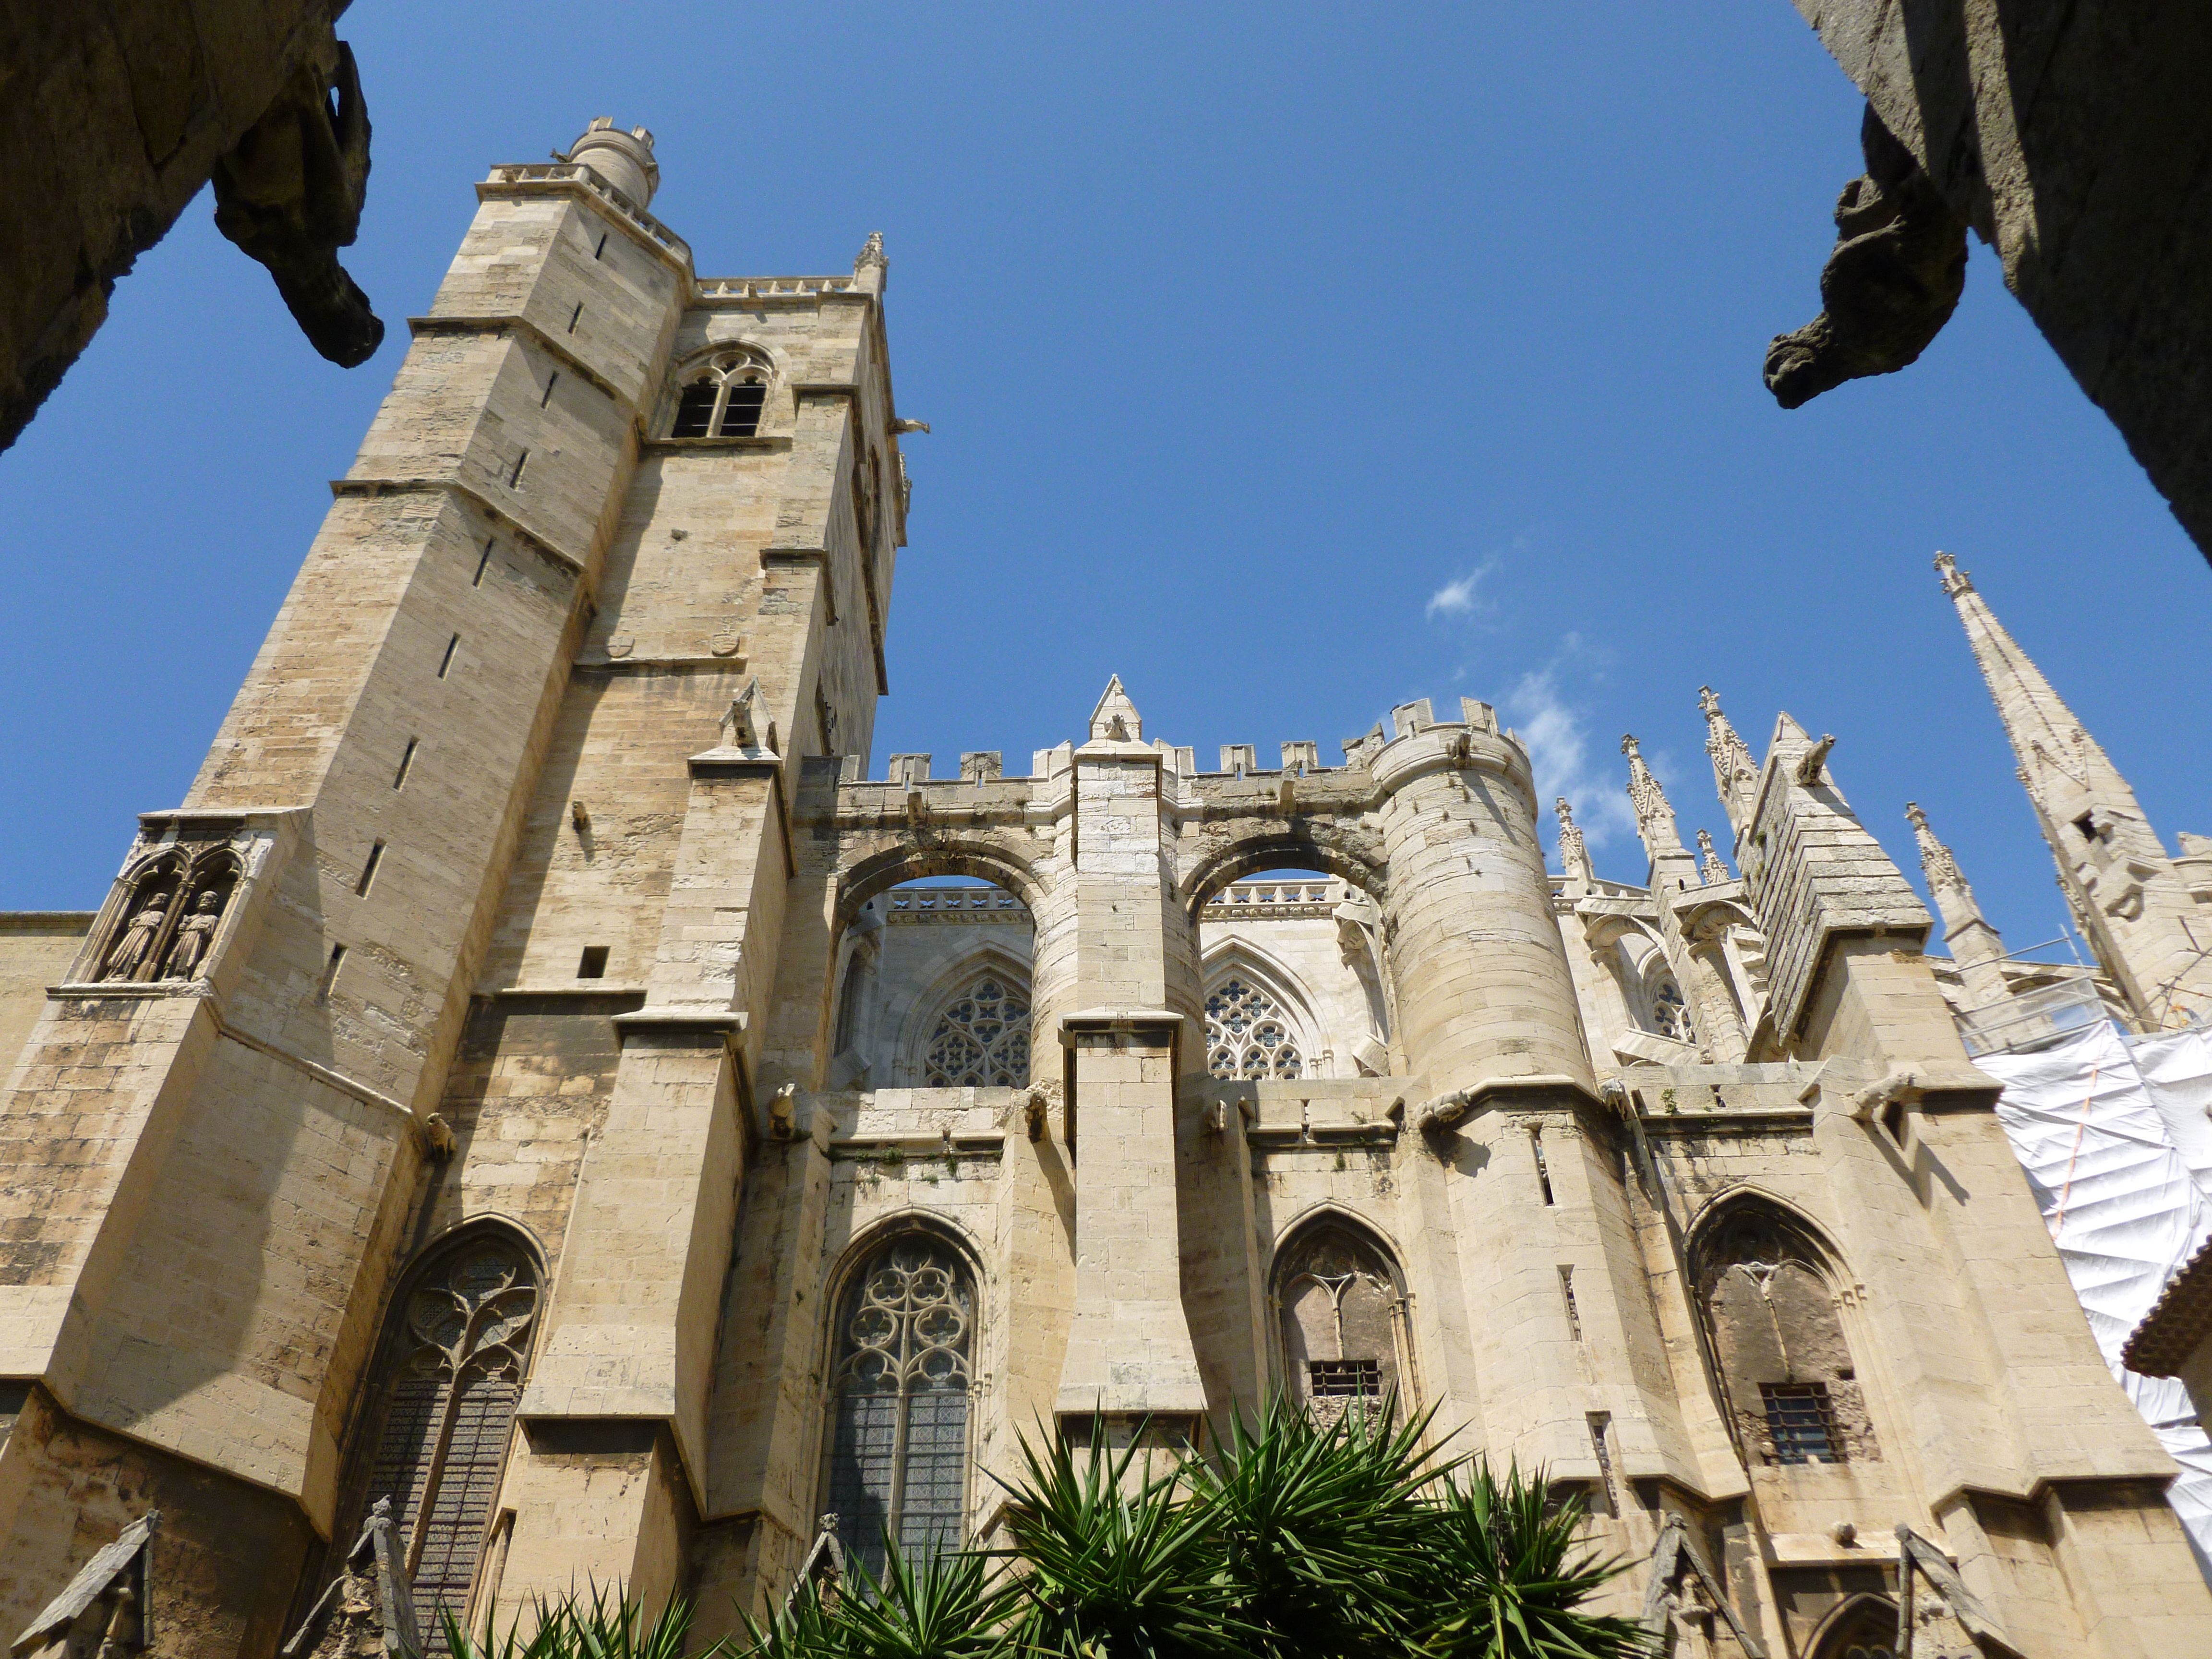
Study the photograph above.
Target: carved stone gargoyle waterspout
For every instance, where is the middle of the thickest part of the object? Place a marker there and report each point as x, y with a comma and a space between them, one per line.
1891, 283
289, 194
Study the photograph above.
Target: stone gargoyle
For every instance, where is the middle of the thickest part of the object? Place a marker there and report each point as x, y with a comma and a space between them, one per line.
1891, 282
289, 194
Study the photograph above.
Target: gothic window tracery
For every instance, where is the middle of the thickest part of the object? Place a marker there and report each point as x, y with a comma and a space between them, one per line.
982, 1039
722, 398
1792, 1391
453, 1370
1669, 1012
1246, 1034
898, 1433
1340, 1313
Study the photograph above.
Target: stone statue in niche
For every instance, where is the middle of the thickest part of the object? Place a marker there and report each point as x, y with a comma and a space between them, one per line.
188, 951
134, 947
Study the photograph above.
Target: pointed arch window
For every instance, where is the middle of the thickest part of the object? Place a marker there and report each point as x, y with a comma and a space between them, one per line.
1669, 1012
982, 1038
898, 1419
722, 398
1771, 1314
1246, 1034
452, 1367
1342, 1321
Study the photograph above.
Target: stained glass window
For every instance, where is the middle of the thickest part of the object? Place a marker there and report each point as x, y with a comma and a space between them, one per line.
1246, 1035
454, 1369
982, 1041
898, 1435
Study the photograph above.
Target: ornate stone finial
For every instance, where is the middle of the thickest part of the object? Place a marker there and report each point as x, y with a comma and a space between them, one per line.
871, 254
1654, 818
1732, 766
623, 161
1711, 869
1116, 718
1955, 581
1574, 852
1937, 861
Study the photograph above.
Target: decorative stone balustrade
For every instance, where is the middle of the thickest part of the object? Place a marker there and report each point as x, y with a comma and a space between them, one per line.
1275, 900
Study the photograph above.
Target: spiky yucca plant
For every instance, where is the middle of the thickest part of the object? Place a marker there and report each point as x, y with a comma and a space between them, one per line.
1320, 1529
1508, 1579
601, 1624
942, 1605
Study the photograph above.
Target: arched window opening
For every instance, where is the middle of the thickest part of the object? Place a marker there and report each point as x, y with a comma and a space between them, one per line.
1246, 1034
724, 399
452, 1370
1670, 1015
1341, 1319
982, 1040
1792, 1391
898, 1427
1867, 1629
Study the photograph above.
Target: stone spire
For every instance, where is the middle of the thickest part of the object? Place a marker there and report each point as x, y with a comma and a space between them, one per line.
1574, 852
1974, 944
1735, 774
1654, 818
2143, 922
1710, 866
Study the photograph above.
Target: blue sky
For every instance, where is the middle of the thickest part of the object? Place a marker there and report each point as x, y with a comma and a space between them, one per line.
1289, 361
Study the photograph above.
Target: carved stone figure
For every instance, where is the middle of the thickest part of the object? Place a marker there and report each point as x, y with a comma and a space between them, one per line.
188, 951
368, 1611
1890, 284
290, 194
134, 946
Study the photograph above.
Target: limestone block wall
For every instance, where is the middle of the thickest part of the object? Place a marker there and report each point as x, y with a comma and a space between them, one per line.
36, 949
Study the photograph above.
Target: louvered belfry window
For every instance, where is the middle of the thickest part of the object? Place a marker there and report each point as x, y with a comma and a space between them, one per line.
898, 1432
455, 1365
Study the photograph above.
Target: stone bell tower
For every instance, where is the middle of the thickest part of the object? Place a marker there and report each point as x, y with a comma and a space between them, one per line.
549, 564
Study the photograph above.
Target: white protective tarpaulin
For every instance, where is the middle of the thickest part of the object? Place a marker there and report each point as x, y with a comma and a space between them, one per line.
2113, 1134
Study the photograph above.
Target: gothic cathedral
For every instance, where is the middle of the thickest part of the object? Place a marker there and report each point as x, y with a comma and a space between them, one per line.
539, 1089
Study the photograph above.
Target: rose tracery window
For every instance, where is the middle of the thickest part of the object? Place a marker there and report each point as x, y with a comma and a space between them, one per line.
898, 1434
1246, 1035
982, 1041
722, 399
454, 1367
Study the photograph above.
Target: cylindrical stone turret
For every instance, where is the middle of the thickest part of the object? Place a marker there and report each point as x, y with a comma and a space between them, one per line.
1484, 989
621, 160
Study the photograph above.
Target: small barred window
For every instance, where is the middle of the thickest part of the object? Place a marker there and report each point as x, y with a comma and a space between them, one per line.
1246, 1035
898, 1433
982, 1041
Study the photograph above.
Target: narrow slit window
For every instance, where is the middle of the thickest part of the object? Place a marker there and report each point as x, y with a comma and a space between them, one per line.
575, 316
594, 962
1599, 1423
446, 666
1567, 1295
406, 760
1543, 1170
331, 971
514, 479
600, 251
551, 380
484, 564
368, 869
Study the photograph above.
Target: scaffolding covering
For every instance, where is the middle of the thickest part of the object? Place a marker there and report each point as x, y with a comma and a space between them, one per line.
2113, 1134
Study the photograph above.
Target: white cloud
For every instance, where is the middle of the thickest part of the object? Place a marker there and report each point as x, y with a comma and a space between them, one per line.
1462, 596
1560, 747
